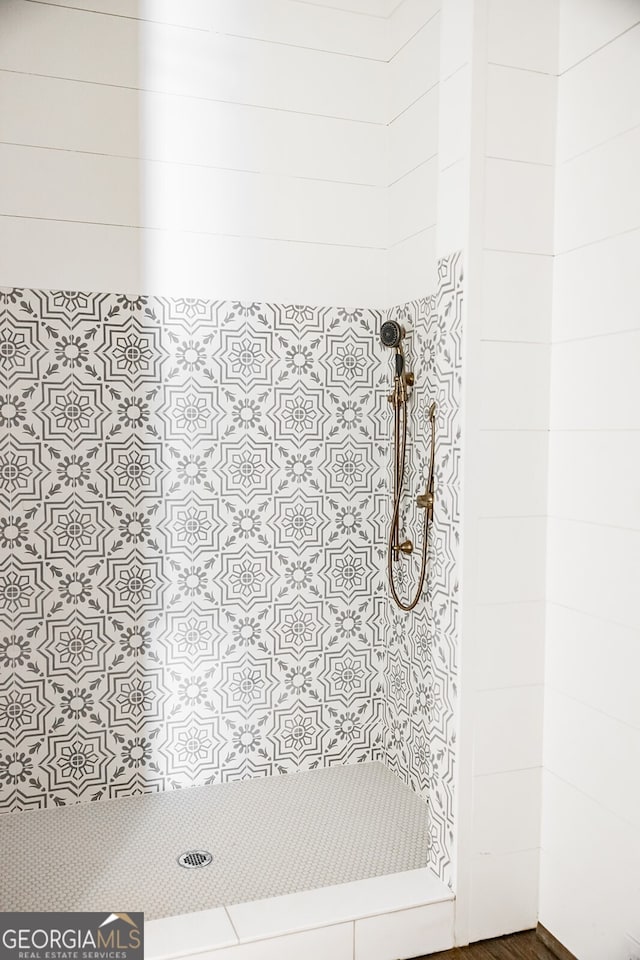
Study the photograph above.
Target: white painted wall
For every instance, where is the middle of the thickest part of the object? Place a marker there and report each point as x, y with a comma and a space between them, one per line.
590, 866
253, 149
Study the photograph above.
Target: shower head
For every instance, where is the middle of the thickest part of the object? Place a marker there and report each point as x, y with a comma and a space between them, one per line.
391, 334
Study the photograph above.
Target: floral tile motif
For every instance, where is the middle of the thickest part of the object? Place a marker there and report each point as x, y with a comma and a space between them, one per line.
193, 504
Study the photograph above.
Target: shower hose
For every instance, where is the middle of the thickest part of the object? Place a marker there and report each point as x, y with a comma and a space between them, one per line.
424, 501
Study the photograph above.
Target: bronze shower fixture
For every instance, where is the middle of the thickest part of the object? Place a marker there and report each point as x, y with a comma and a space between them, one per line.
391, 335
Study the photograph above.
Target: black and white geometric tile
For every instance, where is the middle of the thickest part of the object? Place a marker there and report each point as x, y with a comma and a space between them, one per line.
193, 498
421, 647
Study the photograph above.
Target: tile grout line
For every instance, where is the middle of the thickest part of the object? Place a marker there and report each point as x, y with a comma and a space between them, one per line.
408, 173
119, 16
321, 925
592, 53
235, 236
190, 96
210, 31
511, 686
411, 236
404, 110
513, 516
590, 706
598, 145
598, 803
225, 169
592, 523
513, 66
528, 163
595, 336
519, 253
233, 926
524, 343
413, 36
537, 766
197, 233
226, 102
355, 13
593, 243
593, 616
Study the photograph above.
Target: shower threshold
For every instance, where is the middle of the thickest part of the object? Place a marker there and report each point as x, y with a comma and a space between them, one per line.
326, 863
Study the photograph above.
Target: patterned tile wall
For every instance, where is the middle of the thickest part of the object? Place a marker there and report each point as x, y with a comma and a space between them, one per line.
193, 498
421, 647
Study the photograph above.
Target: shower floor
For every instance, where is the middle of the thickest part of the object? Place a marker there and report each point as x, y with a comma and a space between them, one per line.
268, 837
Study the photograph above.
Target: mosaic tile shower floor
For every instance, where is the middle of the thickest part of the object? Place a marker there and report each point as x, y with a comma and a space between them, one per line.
268, 837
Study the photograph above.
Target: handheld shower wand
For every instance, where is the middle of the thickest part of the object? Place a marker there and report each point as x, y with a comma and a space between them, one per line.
391, 335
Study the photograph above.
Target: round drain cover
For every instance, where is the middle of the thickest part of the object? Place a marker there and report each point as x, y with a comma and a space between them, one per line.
195, 858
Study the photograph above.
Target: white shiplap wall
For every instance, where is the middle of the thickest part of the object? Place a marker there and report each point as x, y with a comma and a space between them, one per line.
517, 270
590, 865
507, 177
229, 148
413, 81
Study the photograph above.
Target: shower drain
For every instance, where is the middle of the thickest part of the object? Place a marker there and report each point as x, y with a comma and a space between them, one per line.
195, 858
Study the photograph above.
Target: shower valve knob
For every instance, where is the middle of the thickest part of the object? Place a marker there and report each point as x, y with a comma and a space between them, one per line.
406, 547
425, 500
409, 379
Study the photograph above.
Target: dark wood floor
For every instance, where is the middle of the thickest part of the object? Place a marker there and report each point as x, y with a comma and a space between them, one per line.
517, 946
